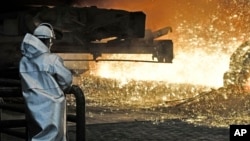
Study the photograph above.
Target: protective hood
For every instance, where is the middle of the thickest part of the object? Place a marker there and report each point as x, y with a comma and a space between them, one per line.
32, 46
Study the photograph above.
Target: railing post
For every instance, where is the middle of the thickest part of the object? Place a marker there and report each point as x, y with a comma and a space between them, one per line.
80, 113
79, 118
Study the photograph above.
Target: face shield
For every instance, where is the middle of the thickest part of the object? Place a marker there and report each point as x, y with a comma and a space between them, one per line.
47, 41
45, 33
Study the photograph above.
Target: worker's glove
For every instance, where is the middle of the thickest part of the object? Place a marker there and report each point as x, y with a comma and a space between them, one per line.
68, 90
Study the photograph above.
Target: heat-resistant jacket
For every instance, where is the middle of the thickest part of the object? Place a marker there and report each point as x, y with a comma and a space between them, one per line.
44, 77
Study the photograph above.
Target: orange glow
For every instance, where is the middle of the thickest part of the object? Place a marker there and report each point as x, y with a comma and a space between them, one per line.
205, 34
196, 67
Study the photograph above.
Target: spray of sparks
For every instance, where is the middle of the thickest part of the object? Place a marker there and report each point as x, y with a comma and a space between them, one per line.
205, 34
202, 52
202, 42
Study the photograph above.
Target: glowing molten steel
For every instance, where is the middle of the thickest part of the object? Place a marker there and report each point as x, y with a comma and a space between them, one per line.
188, 67
205, 34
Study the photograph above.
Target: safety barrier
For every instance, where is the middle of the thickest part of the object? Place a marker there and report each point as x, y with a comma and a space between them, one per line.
10, 88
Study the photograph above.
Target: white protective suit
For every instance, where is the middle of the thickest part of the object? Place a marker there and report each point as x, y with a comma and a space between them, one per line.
44, 77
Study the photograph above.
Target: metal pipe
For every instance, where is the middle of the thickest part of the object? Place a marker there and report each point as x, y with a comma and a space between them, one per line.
79, 118
14, 133
13, 123
13, 107
114, 60
9, 82
80, 113
10, 92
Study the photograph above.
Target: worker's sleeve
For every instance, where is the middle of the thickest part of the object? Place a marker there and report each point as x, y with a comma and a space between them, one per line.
62, 75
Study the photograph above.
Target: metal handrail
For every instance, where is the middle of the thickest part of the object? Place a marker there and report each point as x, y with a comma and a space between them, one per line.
80, 113
79, 118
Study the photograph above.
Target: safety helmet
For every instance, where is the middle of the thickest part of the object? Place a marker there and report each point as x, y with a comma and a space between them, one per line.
44, 31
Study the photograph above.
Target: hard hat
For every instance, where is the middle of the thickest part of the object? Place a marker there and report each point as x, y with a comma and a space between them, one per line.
44, 31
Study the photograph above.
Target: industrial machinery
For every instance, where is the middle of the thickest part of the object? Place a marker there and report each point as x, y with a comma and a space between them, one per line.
82, 30
86, 30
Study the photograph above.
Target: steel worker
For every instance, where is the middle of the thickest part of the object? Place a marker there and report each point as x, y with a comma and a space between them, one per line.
44, 80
